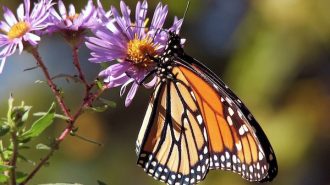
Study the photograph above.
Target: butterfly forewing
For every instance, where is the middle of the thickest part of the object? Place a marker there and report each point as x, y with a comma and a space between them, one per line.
171, 145
252, 155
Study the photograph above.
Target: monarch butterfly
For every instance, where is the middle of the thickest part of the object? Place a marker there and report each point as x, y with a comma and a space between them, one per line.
195, 123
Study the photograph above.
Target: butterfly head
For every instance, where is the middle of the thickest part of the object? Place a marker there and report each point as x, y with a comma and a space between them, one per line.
174, 43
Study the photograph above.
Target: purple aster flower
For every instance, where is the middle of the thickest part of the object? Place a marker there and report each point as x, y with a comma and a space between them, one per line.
71, 24
72, 20
21, 30
104, 16
130, 43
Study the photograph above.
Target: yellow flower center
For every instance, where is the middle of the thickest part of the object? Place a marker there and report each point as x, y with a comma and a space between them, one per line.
18, 30
140, 51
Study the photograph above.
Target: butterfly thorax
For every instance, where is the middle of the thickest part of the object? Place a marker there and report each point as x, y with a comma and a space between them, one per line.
165, 62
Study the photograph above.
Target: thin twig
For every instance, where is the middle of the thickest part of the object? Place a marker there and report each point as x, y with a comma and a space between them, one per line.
37, 168
14, 158
77, 65
52, 85
87, 103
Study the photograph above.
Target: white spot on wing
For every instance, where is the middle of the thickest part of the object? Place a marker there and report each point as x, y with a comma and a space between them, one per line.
230, 122
234, 159
245, 128
223, 158
205, 134
241, 130
240, 114
227, 155
251, 168
199, 119
228, 100
230, 110
193, 95
261, 156
205, 150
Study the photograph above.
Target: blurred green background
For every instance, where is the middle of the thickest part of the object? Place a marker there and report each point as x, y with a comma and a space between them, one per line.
275, 54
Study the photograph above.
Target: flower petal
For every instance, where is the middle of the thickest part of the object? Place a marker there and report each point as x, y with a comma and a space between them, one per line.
151, 83
20, 12
2, 64
9, 16
140, 17
131, 94
123, 88
62, 9
27, 7
4, 26
32, 38
72, 10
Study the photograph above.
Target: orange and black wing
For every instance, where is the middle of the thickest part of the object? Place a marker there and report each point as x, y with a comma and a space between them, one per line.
236, 141
172, 144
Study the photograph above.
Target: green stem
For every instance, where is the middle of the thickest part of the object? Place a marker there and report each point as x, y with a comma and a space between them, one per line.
13, 160
2, 157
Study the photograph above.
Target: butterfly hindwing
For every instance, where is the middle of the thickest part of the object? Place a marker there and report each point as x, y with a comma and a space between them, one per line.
172, 144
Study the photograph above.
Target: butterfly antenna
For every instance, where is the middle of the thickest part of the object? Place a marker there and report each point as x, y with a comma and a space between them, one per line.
185, 12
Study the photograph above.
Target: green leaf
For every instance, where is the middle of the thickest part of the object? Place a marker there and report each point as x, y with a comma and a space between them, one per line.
9, 112
20, 176
41, 146
5, 167
99, 109
56, 115
23, 158
4, 129
40, 125
67, 77
111, 104
3, 178
106, 105
7, 154
101, 183
21, 146
39, 82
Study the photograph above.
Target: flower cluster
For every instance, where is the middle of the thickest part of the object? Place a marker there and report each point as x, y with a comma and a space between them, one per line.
117, 40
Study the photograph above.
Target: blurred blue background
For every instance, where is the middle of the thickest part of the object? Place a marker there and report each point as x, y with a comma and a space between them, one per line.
275, 54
